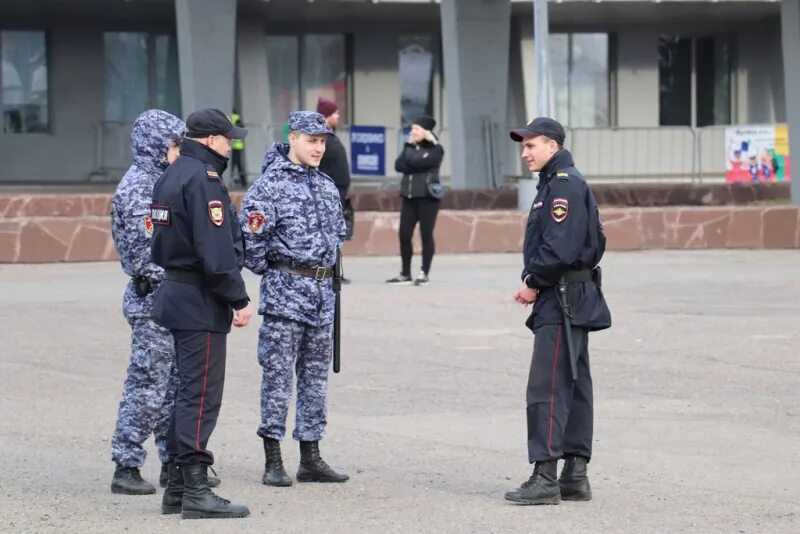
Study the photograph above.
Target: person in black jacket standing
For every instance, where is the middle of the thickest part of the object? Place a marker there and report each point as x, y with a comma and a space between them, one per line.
419, 162
564, 243
197, 240
334, 163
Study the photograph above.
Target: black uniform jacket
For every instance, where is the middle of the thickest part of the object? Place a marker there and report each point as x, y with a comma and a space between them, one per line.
334, 164
564, 233
419, 165
196, 234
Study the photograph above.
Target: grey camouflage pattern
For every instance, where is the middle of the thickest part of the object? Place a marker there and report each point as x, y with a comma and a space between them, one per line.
300, 223
285, 345
148, 394
308, 122
153, 132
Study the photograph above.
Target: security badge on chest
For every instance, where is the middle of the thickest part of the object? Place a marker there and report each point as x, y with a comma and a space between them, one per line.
560, 209
216, 212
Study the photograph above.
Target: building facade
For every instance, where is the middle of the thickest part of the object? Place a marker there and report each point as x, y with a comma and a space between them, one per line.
646, 88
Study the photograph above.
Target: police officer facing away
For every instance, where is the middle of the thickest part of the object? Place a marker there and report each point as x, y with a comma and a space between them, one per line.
149, 391
197, 240
293, 228
564, 243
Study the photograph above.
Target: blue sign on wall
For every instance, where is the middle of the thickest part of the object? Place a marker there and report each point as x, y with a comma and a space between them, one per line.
368, 150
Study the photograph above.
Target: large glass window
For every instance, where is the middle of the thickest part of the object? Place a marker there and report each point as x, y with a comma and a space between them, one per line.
580, 78
141, 72
302, 68
416, 64
24, 79
709, 58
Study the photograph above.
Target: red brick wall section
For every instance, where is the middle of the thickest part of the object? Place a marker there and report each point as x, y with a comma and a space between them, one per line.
53, 228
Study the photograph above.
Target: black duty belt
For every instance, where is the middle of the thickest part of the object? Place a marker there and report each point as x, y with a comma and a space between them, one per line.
317, 273
189, 277
584, 275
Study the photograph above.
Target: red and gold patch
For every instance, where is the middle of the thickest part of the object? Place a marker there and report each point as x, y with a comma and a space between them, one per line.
560, 209
148, 224
255, 222
216, 212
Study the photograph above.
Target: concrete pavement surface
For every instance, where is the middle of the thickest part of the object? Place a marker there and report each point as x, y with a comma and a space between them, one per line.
697, 403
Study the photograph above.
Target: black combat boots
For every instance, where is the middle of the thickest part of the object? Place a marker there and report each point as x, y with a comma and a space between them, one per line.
200, 502
541, 488
172, 501
128, 481
313, 468
274, 473
213, 482
574, 482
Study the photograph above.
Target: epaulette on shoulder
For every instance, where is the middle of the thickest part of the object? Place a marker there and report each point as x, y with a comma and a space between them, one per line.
563, 175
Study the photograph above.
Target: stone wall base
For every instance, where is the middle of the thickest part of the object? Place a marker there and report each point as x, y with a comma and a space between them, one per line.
81, 231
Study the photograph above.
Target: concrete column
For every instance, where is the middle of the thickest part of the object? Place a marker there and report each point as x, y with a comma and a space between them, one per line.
254, 94
790, 35
206, 52
475, 42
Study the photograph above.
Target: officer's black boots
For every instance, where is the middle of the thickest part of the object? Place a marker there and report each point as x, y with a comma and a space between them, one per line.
541, 488
573, 480
172, 501
128, 481
213, 482
313, 468
274, 473
200, 502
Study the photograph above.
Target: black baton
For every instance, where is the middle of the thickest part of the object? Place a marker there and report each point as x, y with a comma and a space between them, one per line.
337, 315
566, 314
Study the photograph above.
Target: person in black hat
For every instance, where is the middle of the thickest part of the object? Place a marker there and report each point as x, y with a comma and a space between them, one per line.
564, 243
419, 162
198, 241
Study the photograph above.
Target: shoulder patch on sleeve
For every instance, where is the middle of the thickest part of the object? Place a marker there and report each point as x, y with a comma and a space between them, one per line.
148, 224
560, 209
255, 221
216, 212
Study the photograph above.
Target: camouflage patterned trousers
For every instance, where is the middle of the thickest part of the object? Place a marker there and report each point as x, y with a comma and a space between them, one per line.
285, 346
147, 396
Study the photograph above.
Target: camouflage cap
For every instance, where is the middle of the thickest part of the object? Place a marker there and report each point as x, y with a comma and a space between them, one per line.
308, 122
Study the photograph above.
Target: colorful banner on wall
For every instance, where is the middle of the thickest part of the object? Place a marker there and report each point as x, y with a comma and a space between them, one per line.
757, 154
368, 150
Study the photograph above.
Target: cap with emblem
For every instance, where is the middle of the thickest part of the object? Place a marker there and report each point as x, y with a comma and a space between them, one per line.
540, 126
308, 122
212, 121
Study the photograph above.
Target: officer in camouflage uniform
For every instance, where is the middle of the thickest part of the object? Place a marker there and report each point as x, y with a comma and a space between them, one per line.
293, 228
149, 390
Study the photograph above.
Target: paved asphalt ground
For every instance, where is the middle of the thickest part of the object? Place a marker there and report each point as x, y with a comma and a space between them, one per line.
697, 391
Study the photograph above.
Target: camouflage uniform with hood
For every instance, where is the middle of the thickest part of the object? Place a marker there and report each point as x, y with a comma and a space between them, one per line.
149, 390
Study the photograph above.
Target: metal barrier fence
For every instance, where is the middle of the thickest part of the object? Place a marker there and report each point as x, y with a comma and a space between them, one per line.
614, 155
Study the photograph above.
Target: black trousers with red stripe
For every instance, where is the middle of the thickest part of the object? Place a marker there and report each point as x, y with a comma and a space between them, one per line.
560, 410
200, 359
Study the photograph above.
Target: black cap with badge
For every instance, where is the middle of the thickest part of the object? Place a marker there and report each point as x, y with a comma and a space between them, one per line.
540, 126
212, 121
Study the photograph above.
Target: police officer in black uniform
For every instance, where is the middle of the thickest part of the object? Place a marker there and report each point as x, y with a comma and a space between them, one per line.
198, 241
564, 243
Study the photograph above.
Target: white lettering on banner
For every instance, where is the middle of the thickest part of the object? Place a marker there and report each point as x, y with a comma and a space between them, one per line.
367, 162
367, 138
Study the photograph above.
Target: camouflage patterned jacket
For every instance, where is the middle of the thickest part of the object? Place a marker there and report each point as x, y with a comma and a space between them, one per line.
131, 228
292, 215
